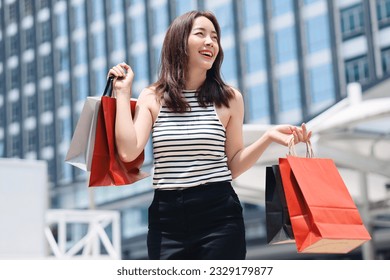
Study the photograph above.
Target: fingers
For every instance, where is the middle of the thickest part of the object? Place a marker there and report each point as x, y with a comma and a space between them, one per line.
119, 71
301, 134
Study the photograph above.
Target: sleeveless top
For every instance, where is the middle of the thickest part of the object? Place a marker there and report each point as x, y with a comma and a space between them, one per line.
189, 147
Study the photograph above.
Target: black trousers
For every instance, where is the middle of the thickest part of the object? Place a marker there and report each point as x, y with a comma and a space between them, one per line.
203, 222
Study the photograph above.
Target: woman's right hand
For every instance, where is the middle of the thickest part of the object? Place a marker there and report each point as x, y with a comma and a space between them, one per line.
123, 79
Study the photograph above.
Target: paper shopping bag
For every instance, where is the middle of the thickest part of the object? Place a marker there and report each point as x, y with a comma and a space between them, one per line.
278, 224
81, 147
323, 215
107, 169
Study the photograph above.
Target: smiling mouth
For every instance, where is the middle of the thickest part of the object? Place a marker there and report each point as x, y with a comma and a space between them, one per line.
207, 54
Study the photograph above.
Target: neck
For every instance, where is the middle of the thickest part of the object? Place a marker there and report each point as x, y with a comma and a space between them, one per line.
195, 79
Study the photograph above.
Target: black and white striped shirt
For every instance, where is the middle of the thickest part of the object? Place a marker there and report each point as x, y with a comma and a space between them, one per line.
189, 148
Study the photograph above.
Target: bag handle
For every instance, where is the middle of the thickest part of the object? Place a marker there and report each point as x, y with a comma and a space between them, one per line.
109, 87
292, 151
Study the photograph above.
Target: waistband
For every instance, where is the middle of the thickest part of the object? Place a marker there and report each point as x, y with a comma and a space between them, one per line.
207, 186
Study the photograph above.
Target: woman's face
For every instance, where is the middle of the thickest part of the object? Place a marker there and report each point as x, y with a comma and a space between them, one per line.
202, 44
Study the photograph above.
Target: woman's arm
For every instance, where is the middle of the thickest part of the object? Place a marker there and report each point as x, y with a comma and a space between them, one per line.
241, 158
131, 135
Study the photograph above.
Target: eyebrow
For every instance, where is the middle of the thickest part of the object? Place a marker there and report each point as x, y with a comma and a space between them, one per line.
204, 29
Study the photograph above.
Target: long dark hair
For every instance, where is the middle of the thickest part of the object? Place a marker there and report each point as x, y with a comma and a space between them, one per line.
174, 66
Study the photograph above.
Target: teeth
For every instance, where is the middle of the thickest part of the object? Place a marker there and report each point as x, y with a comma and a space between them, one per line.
206, 53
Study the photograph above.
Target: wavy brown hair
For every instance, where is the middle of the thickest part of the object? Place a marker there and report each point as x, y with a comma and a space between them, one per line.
174, 67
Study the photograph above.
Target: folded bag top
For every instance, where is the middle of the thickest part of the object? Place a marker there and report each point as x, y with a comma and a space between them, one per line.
107, 169
323, 214
81, 146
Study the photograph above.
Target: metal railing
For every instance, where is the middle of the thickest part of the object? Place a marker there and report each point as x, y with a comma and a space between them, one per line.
96, 243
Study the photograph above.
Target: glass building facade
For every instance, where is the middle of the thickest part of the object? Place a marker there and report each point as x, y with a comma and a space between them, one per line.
291, 59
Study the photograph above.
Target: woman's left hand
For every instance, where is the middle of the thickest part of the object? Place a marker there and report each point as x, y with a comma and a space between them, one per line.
283, 134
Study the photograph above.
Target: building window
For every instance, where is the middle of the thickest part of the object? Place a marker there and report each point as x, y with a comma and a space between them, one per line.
229, 66
13, 45
356, 70
43, 4
289, 93
64, 170
285, 45
138, 28
383, 12
307, 2
14, 78
48, 135
63, 56
31, 106
255, 55
118, 39
65, 128
81, 52
47, 102
224, 13
45, 31
321, 85
15, 146
386, 60
62, 25
116, 6
258, 100
51, 166
28, 7
100, 80
253, 13
184, 6
97, 10
99, 46
15, 111
65, 94
82, 87
140, 66
29, 38
317, 33
2, 117
30, 72
280, 7
160, 20
31, 140
136, 221
12, 12
78, 16
46, 65
352, 21
2, 154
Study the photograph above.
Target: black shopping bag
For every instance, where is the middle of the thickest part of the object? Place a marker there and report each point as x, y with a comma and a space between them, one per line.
278, 224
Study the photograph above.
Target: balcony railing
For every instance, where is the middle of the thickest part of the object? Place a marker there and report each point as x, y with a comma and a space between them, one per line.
102, 239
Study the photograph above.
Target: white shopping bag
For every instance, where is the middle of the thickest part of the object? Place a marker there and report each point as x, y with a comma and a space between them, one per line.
81, 147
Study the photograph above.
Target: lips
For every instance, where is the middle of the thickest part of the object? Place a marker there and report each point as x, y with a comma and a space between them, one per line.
207, 53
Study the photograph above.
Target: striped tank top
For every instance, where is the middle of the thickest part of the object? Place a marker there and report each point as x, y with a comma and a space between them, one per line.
189, 147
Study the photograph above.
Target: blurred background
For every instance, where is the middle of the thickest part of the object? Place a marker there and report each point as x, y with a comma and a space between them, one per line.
323, 62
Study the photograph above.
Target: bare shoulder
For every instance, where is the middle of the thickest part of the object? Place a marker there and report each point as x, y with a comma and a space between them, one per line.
148, 98
237, 99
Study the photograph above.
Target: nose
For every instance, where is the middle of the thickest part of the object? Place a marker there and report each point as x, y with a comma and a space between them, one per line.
208, 41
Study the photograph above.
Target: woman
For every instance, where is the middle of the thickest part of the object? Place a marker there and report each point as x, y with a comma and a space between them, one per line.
196, 124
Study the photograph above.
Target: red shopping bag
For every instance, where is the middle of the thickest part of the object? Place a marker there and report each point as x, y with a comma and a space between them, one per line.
323, 215
106, 167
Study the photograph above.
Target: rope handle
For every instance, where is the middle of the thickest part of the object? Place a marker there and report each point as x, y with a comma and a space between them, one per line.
292, 151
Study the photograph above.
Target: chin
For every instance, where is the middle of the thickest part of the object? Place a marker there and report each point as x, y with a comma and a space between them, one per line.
207, 66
